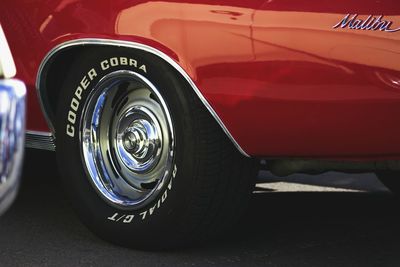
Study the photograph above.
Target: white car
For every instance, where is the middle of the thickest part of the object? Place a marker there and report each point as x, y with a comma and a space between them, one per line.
12, 126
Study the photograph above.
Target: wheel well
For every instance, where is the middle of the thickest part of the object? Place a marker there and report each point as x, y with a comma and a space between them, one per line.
53, 76
52, 73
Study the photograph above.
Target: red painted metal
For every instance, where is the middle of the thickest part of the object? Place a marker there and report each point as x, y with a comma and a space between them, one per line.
281, 78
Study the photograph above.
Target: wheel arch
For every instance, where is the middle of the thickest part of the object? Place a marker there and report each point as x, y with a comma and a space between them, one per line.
62, 56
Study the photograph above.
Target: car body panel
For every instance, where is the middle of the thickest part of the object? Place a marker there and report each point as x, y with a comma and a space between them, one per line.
279, 76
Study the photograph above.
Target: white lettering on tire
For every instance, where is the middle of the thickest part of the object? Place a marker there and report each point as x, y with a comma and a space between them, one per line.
71, 117
122, 61
85, 82
74, 104
114, 62
75, 101
116, 217
104, 65
70, 130
128, 218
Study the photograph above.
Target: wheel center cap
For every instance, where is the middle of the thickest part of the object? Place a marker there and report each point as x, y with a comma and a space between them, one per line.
135, 139
139, 139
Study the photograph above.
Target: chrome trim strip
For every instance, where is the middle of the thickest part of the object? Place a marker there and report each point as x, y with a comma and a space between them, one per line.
106, 42
40, 140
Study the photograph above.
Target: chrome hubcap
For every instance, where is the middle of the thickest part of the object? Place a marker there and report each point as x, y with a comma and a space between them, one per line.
127, 140
139, 139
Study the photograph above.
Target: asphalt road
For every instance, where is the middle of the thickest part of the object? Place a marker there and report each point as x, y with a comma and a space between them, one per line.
343, 220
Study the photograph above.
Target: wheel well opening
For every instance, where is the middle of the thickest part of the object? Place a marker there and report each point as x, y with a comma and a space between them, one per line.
56, 69
53, 76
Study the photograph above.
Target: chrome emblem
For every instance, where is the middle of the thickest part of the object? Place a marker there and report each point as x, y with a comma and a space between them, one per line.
371, 23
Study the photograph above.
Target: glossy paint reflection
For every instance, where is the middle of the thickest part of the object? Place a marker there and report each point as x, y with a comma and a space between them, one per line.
281, 78
200, 34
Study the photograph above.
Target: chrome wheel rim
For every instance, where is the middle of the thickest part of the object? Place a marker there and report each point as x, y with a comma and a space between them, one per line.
127, 140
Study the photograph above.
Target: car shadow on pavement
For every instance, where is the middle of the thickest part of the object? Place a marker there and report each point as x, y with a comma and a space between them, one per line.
349, 228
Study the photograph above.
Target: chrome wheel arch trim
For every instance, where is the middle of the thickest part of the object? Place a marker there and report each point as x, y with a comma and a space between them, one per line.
125, 44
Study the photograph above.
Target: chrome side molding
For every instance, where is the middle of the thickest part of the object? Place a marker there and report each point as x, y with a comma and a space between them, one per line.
40, 140
12, 135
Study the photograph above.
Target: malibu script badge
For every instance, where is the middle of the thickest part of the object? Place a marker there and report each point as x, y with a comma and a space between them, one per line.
371, 23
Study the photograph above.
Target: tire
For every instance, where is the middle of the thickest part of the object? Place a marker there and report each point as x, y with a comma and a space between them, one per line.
187, 187
391, 179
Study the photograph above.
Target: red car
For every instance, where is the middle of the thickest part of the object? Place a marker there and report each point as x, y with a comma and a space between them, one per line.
160, 111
